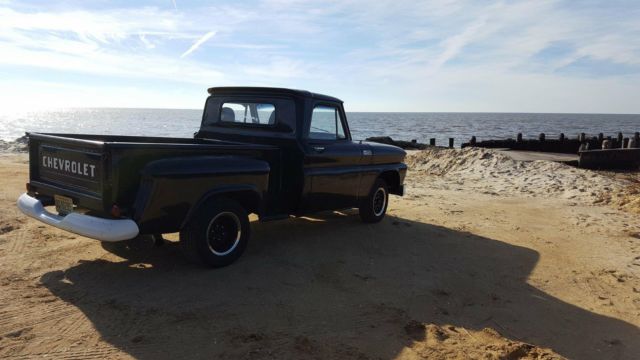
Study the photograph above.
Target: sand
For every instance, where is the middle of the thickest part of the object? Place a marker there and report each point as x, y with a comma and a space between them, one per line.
485, 257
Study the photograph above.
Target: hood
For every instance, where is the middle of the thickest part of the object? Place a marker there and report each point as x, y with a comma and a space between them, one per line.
385, 154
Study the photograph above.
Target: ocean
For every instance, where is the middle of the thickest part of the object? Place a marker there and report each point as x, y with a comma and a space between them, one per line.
399, 126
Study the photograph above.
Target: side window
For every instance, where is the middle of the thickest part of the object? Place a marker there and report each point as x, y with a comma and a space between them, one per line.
326, 124
251, 113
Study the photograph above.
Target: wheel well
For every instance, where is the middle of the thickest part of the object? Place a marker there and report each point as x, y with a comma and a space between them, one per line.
392, 178
249, 200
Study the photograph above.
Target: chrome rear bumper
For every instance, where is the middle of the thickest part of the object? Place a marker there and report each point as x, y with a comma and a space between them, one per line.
90, 226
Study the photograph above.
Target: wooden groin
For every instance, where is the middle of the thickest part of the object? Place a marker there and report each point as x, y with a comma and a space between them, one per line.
610, 159
407, 145
596, 152
561, 144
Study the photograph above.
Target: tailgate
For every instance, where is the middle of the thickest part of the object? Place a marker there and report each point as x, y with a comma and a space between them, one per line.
67, 166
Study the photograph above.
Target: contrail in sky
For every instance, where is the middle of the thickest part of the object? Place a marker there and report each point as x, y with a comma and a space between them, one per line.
197, 44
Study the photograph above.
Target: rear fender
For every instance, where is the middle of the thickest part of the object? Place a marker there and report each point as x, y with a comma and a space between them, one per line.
171, 190
247, 195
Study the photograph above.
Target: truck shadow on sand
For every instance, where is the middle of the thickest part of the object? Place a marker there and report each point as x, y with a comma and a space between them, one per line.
330, 287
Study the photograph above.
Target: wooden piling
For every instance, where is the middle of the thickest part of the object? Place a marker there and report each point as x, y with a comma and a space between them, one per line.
541, 137
519, 137
582, 137
432, 142
451, 140
561, 136
473, 141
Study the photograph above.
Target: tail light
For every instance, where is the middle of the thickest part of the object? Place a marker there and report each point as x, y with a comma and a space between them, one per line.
115, 211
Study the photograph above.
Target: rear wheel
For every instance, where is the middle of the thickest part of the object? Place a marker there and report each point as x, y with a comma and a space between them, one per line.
218, 234
374, 206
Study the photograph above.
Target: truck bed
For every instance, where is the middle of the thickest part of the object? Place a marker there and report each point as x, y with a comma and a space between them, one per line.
97, 171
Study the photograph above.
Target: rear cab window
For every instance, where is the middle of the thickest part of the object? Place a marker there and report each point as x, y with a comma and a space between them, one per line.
248, 113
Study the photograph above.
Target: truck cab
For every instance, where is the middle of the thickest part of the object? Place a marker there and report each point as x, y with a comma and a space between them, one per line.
269, 151
325, 165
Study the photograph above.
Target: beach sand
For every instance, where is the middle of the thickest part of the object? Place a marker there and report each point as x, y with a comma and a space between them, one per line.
485, 257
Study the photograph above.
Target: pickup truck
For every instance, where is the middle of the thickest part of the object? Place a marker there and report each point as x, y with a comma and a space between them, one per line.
268, 151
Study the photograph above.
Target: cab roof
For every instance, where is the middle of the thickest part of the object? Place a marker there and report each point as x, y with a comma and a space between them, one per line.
269, 91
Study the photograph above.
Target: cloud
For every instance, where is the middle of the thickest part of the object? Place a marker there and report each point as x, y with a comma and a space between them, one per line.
102, 26
388, 54
148, 44
197, 44
122, 42
454, 44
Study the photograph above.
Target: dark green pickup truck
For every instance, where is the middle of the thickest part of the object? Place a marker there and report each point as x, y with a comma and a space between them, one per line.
269, 151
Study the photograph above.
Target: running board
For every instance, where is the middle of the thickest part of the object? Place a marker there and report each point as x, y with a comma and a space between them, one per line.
273, 218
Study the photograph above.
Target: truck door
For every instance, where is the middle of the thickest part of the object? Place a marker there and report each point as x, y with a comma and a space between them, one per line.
332, 161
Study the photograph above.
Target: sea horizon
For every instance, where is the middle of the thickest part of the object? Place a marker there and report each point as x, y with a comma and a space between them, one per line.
421, 126
346, 110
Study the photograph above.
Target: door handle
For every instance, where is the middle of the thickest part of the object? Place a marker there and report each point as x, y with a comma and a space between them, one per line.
318, 149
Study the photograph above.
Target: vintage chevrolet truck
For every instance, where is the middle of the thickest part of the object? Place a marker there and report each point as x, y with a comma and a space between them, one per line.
269, 151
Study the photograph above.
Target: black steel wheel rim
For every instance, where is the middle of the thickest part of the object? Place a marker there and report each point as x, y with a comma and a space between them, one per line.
223, 233
379, 201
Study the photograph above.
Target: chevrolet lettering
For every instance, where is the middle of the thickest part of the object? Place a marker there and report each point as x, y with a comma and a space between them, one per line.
271, 152
69, 166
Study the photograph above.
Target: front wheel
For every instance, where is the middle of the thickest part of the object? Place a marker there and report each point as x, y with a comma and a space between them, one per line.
374, 206
218, 234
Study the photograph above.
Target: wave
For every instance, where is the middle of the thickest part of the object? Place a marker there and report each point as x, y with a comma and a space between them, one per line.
18, 145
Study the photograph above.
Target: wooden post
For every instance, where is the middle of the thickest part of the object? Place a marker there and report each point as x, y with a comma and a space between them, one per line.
541, 137
432, 142
561, 137
625, 143
451, 140
519, 137
473, 141
620, 137
637, 137
582, 137
600, 137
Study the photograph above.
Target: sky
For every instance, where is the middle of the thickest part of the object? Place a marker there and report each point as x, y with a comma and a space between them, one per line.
383, 55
